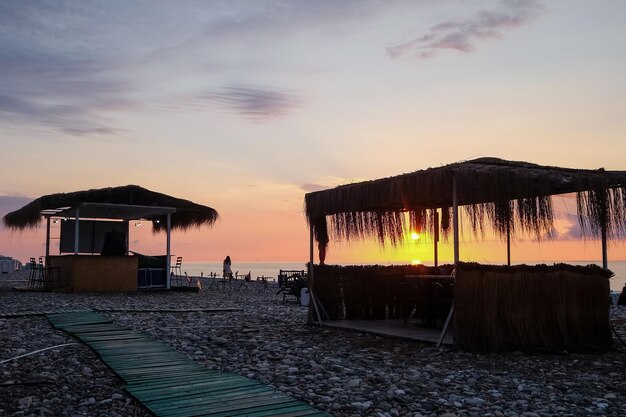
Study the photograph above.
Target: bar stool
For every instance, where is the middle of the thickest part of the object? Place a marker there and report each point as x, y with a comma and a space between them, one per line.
53, 277
32, 277
177, 271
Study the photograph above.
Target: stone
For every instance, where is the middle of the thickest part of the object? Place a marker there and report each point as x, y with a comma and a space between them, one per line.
220, 341
25, 402
397, 378
353, 383
474, 401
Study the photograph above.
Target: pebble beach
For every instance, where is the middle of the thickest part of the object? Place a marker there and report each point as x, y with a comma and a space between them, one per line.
342, 372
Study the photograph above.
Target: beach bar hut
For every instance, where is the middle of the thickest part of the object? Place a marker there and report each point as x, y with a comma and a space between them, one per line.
96, 222
511, 198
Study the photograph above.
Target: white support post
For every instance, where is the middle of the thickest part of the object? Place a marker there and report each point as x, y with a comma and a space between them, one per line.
76, 230
168, 275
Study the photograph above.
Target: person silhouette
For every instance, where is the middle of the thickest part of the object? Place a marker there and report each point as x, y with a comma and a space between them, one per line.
228, 272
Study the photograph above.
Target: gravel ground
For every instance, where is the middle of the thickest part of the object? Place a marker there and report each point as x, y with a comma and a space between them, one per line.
345, 373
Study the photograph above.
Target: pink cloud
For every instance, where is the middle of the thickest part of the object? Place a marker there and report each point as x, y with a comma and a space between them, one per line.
463, 35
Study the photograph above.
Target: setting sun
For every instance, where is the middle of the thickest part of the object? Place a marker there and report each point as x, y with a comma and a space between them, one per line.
415, 236
416, 262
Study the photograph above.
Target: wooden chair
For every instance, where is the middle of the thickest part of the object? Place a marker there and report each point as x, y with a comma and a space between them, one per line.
244, 280
227, 277
263, 279
213, 282
291, 283
190, 281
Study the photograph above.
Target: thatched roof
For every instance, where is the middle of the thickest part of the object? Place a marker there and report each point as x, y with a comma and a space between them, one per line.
508, 194
188, 214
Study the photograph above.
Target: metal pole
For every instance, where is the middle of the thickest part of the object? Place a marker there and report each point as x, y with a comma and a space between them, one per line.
168, 278
311, 292
76, 230
455, 221
311, 259
47, 238
605, 256
127, 223
604, 208
436, 235
508, 241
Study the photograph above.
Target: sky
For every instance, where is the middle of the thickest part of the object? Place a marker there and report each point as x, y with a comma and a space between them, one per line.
245, 106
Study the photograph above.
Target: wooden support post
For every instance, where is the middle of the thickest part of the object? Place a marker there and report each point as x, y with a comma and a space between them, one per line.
168, 275
436, 236
605, 256
47, 238
76, 230
312, 297
603, 219
508, 241
455, 221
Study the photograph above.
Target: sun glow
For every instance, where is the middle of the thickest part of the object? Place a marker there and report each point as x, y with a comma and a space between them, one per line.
416, 262
415, 236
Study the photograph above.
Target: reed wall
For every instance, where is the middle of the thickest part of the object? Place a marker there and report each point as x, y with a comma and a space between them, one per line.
546, 308
559, 307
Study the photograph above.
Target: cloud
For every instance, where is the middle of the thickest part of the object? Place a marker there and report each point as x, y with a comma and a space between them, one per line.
9, 203
571, 230
71, 119
328, 182
464, 35
75, 67
259, 104
309, 188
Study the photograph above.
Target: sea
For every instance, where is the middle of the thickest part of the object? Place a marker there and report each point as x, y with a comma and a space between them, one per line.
271, 269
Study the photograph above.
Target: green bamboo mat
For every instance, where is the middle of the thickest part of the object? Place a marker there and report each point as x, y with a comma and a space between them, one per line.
24, 313
170, 384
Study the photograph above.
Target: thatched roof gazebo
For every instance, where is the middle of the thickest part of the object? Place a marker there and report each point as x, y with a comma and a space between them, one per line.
188, 214
508, 196
125, 203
